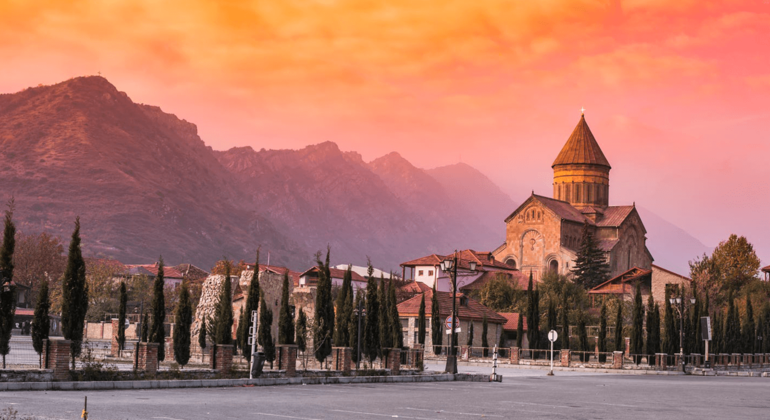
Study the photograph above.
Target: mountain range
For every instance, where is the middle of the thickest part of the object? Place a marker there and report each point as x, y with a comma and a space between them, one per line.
145, 184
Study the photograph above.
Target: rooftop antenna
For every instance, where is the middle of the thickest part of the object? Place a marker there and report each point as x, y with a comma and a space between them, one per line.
268, 258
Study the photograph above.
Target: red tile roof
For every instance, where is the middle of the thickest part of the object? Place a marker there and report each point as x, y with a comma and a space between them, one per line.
432, 259
606, 245
766, 269
581, 148
336, 273
512, 321
562, 209
627, 276
474, 310
464, 258
168, 271
414, 287
615, 216
293, 275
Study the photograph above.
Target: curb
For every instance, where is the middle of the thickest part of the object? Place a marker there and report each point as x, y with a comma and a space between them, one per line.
219, 383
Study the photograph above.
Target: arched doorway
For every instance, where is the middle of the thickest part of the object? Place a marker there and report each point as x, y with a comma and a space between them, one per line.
553, 266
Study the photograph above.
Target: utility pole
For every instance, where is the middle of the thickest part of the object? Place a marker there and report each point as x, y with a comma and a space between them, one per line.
253, 342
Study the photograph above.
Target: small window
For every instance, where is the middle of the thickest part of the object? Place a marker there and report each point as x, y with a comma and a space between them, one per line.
463, 301
419, 272
430, 272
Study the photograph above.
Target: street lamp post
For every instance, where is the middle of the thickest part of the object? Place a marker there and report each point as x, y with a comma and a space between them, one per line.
680, 308
450, 267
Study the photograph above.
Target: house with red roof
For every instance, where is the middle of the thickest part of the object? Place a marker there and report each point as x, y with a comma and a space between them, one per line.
654, 281
468, 311
510, 330
766, 270
309, 278
427, 270
172, 278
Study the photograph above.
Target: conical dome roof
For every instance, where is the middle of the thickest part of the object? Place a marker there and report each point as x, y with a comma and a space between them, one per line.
581, 148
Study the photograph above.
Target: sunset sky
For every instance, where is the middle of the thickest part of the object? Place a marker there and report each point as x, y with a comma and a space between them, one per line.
676, 92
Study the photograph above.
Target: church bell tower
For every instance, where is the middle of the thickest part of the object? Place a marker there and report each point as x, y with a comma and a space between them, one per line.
581, 173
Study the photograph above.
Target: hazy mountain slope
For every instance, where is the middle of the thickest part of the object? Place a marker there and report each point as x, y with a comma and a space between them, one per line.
468, 187
670, 245
142, 181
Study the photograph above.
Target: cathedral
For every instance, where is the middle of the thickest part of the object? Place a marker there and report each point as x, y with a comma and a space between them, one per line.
544, 233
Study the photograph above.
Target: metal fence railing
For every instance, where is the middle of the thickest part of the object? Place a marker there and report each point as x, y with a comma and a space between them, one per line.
22, 354
591, 357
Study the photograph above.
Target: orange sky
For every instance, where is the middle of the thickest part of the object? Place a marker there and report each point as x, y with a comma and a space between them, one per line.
676, 92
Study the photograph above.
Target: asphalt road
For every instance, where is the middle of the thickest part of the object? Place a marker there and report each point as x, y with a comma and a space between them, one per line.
528, 395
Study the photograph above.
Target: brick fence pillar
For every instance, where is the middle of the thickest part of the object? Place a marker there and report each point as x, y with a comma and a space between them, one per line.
661, 360
146, 359
564, 357
115, 348
341, 359
627, 340
287, 359
393, 361
735, 359
223, 359
515, 355
56, 356
617, 360
416, 355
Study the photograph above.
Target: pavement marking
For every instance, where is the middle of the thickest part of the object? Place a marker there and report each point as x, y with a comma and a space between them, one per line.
619, 405
453, 412
167, 418
384, 415
285, 417
541, 405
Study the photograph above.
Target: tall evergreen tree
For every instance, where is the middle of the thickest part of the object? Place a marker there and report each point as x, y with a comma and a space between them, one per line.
671, 339
7, 288
436, 323
591, 266
157, 332
121, 336
421, 326
342, 329
223, 317
656, 340
582, 336
520, 331
265, 330
372, 326
602, 339
748, 329
564, 342
717, 333
202, 339
536, 314
324, 310
74, 295
649, 345
395, 320
386, 331
531, 338
285, 321
252, 303
145, 327
733, 326
182, 323
765, 330
301, 333
41, 323
484, 331
620, 344
637, 325
353, 326
552, 321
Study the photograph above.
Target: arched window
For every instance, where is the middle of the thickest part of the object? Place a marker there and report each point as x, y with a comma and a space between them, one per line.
510, 262
554, 266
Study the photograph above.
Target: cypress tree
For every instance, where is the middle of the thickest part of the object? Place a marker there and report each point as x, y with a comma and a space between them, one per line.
520, 331
301, 334
157, 332
717, 332
602, 339
552, 316
223, 317
531, 314
7, 297
484, 330
145, 327
765, 330
656, 330
74, 295
637, 325
733, 327
671, 339
749, 328
342, 329
285, 321
501, 346
372, 326
470, 334
324, 310
591, 267
619, 342
41, 323
182, 324
696, 344
395, 320
564, 342
582, 336
202, 338
265, 333
121, 337
436, 325
353, 326
649, 344
536, 315
386, 332
252, 302
421, 327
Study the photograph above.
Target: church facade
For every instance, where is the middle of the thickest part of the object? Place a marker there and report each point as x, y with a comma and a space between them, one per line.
544, 234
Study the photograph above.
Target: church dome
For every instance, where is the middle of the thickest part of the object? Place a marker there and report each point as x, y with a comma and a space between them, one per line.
581, 148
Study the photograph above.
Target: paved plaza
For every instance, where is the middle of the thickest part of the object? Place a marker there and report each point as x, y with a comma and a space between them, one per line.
522, 395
